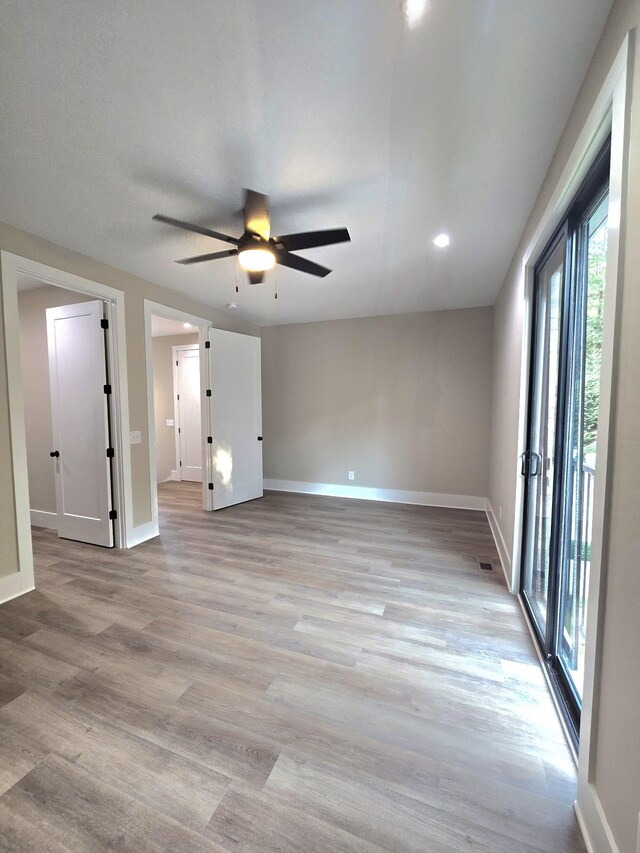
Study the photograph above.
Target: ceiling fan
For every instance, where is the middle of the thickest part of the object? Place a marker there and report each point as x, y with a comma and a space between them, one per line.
256, 249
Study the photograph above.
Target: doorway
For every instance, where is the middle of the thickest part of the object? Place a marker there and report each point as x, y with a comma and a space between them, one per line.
67, 391
559, 464
16, 272
188, 415
169, 331
176, 399
230, 411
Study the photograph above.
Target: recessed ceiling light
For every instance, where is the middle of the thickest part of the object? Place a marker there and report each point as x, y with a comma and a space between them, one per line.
232, 305
442, 241
187, 325
413, 11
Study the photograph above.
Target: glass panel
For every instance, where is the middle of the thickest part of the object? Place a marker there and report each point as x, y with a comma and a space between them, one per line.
584, 398
542, 432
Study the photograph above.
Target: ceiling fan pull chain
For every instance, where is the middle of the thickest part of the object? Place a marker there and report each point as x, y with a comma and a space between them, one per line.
237, 267
275, 283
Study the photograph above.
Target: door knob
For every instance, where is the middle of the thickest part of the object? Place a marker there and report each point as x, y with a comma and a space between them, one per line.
55, 453
259, 438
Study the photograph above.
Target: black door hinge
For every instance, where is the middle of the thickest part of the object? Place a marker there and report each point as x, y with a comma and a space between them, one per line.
179, 430
211, 486
107, 389
110, 453
178, 396
207, 344
181, 463
176, 363
104, 324
208, 392
209, 439
112, 514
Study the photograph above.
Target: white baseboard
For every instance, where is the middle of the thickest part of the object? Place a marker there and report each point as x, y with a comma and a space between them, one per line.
174, 476
501, 545
142, 533
593, 822
13, 585
42, 518
369, 494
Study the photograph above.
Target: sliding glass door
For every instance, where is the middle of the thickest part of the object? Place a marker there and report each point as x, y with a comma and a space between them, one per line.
581, 443
559, 463
539, 460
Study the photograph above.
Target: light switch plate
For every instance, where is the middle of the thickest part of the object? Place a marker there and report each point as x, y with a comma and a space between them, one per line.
135, 437
170, 422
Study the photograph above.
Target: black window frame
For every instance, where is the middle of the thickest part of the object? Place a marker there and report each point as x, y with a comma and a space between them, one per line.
571, 229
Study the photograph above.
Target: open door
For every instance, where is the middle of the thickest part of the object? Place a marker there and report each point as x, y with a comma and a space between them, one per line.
235, 418
80, 421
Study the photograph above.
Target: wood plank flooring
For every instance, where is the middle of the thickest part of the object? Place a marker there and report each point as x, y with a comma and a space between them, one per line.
297, 674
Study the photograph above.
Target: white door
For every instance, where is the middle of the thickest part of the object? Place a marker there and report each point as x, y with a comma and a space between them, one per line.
188, 421
80, 422
235, 418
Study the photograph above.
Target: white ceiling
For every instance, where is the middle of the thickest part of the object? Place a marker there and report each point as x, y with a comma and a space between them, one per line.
163, 326
113, 111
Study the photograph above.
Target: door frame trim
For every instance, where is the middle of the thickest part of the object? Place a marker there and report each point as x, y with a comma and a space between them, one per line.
202, 325
12, 266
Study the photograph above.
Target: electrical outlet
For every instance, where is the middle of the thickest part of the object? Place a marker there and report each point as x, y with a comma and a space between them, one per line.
135, 437
171, 422
352, 475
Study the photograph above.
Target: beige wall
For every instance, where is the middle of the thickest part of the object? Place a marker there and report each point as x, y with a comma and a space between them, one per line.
136, 290
617, 715
164, 401
404, 401
32, 306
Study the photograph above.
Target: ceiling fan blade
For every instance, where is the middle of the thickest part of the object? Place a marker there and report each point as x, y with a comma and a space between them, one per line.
286, 259
188, 226
256, 213
311, 239
213, 256
255, 277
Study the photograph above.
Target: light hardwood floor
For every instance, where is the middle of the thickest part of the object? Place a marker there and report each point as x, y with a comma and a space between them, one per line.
294, 674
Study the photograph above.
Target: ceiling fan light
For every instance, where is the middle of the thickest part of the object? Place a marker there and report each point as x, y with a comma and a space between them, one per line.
414, 11
442, 241
257, 260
